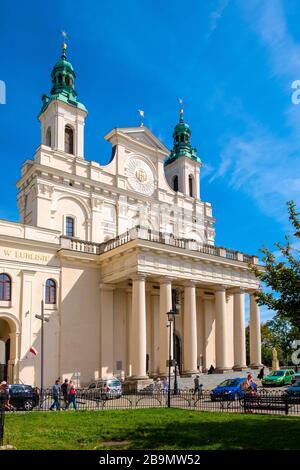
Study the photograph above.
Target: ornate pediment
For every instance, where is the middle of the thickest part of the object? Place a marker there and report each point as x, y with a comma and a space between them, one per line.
142, 135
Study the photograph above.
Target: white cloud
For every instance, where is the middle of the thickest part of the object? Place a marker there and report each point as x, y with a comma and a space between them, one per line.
217, 14
258, 161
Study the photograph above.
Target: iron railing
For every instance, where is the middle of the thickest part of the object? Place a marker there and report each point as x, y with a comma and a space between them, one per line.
2, 415
263, 401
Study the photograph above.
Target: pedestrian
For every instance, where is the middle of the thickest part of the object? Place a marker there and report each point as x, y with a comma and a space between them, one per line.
64, 391
249, 386
261, 374
71, 396
196, 384
55, 396
165, 385
211, 370
158, 385
5, 396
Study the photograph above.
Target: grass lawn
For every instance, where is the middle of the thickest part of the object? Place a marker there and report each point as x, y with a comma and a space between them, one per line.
150, 429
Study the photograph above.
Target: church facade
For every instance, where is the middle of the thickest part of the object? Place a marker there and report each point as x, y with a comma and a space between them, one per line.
109, 250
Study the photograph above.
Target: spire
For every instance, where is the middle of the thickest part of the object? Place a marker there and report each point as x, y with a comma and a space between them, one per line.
63, 81
182, 140
180, 109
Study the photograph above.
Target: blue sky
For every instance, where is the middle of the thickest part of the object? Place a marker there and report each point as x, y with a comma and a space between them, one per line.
232, 61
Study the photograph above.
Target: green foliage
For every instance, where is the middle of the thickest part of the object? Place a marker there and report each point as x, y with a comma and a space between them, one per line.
276, 333
282, 276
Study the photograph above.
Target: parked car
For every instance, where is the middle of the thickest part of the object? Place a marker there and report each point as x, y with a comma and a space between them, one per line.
279, 378
229, 389
293, 393
105, 388
296, 377
23, 397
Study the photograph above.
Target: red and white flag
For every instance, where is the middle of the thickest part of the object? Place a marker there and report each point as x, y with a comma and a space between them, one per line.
31, 352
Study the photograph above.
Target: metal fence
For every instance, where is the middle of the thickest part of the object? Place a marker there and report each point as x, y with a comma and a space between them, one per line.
264, 401
1, 420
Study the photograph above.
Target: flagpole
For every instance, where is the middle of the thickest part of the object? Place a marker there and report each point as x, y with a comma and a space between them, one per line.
42, 346
42, 318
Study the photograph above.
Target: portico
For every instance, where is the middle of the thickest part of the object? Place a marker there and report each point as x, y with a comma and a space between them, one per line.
215, 349
211, 321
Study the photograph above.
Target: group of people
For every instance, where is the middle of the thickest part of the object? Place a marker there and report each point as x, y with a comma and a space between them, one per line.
67, 390
161, 385
5, 397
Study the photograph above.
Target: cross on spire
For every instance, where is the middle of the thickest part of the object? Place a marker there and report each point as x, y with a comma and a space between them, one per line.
64, 44
180, 100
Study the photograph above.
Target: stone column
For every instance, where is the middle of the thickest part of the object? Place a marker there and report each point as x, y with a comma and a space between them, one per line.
221, 329
13, 362
190, 330
165, 305
138, 328
154, 354
209, 331
239, 334
106, 330
129, 322
255, 334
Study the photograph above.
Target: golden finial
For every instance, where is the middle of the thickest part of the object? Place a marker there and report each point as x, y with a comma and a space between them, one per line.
142, 114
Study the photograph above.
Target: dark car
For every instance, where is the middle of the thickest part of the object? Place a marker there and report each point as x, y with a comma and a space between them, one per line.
296, 377
293, 393
23, 397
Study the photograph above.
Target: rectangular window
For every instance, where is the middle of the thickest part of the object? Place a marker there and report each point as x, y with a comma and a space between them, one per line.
69, 227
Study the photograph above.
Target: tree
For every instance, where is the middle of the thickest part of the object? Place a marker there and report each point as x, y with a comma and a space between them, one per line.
282, 275
276, 333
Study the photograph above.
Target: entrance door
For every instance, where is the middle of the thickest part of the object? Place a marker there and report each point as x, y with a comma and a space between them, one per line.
178, 357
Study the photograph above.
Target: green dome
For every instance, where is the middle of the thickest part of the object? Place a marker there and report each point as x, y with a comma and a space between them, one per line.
63, 83
182, 143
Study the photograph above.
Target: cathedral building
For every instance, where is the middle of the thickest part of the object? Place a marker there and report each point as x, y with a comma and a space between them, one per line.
107, 250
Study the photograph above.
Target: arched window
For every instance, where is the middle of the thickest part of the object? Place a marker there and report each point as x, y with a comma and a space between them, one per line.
181, 137
50, 297
60, 78
69, 229
69, 140
191, 186
67, 80
48, 137
175, 183
5, 287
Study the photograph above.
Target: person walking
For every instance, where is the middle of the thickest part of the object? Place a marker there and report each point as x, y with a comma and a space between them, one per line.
5, 397
55, 396
64, 391
196, 384
165, 385
158, 385
261, 374
71, 396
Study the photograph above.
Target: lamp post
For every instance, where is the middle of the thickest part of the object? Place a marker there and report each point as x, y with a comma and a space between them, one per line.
42, 318
174, 355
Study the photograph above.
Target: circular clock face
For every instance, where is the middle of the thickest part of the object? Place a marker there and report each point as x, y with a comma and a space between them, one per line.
140, 176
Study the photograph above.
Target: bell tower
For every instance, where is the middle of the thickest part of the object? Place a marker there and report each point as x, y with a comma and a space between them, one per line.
62, 116
182, 167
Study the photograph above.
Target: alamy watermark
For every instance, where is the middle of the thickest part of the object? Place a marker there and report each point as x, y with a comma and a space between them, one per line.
296, 353
2, 92
296, 94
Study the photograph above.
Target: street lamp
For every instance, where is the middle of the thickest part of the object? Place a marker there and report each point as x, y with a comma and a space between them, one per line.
170, 362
